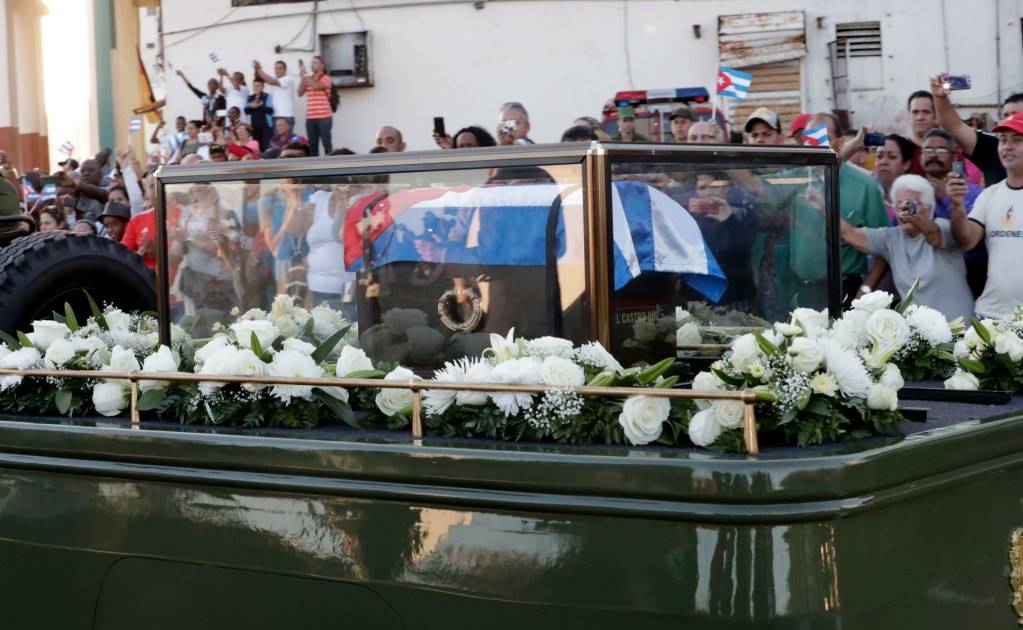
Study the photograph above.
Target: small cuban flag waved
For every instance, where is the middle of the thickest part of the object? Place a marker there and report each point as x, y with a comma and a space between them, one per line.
734, 83
67, 148
817, 136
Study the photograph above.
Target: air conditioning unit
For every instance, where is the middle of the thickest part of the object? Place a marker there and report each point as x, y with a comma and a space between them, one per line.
346, 56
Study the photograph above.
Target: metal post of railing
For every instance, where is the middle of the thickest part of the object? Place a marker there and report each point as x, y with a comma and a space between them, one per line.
417, 414
749, 422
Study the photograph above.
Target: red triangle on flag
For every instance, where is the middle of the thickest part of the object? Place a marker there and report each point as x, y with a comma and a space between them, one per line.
724, 81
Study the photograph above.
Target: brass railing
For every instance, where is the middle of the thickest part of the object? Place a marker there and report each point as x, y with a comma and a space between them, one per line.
747, 397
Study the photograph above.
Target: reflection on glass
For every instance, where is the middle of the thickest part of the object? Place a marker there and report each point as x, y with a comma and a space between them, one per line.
725, 250
428, 264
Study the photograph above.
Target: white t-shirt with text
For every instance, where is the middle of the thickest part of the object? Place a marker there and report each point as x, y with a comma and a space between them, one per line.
1000, 210
283, 97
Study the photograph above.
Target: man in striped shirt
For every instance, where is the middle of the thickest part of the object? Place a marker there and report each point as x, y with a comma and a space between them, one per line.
319, 119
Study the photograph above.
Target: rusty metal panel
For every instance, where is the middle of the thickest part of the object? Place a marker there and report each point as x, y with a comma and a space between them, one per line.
775, 86
750, 39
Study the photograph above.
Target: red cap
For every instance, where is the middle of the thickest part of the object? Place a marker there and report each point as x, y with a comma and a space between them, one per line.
799, 123
1013, 123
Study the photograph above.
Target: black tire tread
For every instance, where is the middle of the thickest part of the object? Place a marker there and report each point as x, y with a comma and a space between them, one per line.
18, 259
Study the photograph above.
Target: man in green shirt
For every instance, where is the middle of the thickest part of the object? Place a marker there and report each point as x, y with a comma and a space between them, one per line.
627, 126
861, 204
10, 206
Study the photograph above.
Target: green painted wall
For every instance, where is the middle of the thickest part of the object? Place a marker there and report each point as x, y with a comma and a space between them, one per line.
105, 37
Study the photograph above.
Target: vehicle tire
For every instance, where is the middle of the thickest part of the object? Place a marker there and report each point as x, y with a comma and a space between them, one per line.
40, 272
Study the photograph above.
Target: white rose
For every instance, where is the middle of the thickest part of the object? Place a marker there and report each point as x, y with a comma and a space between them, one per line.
211, 347
299, 346
704, 428
60, 352
1008, 342
163, 360
813, 322
117, 320
219, 361
394, 401
688, 334
887, 330
681, 314
255, 313
289, 363
788, 330
282, 306
806, 354
122, 360
728, 413
644, 331
744, 352
559, 372
706, 381
932, 326
352, 360
46, 331
882, 397
642, 418
892, 377
326, 321
824, 384
246, 363
963, 381
873, 301
109, 399
265, 332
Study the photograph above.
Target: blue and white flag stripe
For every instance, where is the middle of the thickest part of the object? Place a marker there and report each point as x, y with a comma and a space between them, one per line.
653, 233
507, 225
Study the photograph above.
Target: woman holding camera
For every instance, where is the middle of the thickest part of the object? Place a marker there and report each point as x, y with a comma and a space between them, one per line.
920, 248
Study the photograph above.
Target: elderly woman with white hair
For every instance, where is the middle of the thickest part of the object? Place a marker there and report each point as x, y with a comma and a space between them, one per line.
919, 247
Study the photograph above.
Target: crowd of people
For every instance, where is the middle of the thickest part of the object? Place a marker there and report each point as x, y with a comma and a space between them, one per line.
935, 205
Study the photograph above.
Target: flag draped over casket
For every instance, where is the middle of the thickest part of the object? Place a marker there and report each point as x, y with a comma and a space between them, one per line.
514, 225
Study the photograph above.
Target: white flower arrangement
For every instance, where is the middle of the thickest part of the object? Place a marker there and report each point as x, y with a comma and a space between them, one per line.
990, 355
814, 383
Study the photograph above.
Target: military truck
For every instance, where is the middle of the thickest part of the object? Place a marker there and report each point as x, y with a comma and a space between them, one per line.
107, 524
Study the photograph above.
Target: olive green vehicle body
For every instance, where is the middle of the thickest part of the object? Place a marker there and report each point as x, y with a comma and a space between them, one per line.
111, 527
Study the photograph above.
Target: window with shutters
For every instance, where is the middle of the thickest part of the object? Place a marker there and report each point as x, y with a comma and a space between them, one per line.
858, 44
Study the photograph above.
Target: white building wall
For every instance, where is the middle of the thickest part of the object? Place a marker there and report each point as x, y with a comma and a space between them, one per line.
564, 59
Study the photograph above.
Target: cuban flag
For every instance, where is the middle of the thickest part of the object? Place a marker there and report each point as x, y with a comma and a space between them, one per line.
817, 136
67, 148
510, 225
734, 83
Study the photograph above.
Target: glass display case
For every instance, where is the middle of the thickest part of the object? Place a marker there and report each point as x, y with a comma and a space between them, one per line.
430, 253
